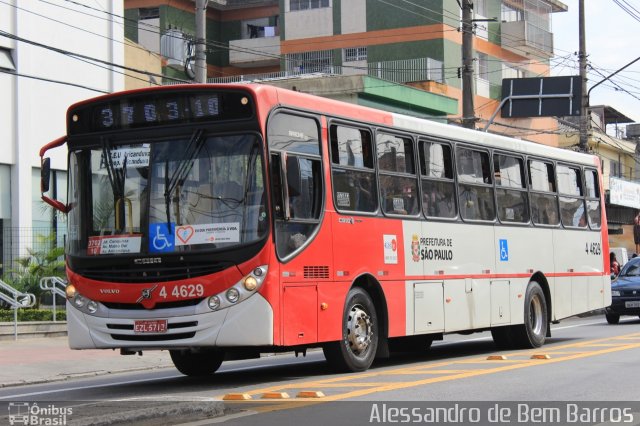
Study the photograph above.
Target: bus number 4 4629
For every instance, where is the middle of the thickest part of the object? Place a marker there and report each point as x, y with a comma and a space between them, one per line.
183, 291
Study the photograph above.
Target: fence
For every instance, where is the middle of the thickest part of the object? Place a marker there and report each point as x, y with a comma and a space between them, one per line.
14, 243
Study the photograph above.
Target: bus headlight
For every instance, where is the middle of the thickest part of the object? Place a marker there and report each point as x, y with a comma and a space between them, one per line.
240, 291
79, 301
214, 302
250, 283
233, 295
83, 303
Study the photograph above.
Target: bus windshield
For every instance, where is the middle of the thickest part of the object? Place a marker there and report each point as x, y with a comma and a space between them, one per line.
197, 192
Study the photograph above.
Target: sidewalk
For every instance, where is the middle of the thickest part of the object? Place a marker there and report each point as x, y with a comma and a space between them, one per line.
42, 360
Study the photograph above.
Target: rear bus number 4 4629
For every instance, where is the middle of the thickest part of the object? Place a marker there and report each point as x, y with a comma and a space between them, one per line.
593, 248
184, 291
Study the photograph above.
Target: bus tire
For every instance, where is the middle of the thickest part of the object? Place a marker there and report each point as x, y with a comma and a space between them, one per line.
533, 332
612, 318
357, 349
196, 363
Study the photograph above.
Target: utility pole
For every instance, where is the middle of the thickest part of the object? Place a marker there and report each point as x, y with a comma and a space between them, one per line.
201, 41
585, 119
468, 110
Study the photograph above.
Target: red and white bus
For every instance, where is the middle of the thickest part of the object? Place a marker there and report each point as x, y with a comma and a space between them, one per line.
222, 221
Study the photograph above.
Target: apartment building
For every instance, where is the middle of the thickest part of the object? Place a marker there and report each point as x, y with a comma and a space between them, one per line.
371, 45
39, 78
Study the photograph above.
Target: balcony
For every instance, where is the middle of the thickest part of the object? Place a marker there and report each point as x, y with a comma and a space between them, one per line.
255, 52
524, 38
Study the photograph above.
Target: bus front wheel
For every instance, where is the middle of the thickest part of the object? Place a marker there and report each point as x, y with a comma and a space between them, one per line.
532, 333
197, 363
357, 349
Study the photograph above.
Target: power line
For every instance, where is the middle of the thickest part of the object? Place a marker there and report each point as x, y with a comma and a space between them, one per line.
78, 55
49, 80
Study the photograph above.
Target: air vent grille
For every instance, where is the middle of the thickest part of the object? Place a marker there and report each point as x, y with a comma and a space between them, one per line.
316, 272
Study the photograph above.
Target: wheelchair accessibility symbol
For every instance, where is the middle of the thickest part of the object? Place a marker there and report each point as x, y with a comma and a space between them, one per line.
504, 251
161, 237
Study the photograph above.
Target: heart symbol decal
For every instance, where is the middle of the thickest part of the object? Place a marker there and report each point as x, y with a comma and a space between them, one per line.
184, 233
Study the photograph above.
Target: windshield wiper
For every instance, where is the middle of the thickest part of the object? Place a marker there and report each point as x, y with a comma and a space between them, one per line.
182, 171
117, 178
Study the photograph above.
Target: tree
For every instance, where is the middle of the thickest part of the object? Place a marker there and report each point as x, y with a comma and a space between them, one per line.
45, 262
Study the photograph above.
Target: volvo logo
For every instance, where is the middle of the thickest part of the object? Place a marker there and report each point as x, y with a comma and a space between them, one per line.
146, 293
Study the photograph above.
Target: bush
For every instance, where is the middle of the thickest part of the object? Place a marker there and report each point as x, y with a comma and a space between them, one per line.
6, 315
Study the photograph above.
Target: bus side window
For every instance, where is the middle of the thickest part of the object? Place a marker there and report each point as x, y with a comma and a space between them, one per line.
397, 175
475, 184
543, 197
593, 198
511, 191
438, 188
572, 207
353, 175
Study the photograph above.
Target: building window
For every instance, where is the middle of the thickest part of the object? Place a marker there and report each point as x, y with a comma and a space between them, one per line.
307, 4
483, 66
6, 60
352, 54
310, 62
149, 13
614, 170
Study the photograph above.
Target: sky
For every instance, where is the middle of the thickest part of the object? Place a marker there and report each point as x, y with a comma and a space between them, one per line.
613, 40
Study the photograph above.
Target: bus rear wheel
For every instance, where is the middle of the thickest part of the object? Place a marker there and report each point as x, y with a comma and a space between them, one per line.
357, 349
532, 333
196, 363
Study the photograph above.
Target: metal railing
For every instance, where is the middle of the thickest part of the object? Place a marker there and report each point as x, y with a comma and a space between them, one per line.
16, 300
400, 71
56, 286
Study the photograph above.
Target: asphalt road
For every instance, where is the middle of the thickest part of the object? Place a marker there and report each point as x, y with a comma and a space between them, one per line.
586, 361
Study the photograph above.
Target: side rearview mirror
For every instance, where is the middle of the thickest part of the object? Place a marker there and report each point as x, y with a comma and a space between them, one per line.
45, 174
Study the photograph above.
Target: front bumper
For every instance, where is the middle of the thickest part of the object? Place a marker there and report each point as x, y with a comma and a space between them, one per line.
619, 306
249, 323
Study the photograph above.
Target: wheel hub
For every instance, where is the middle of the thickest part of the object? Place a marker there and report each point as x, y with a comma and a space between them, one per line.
536, 315
359, 330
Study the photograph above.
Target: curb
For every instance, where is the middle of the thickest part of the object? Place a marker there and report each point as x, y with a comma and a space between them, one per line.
80, 376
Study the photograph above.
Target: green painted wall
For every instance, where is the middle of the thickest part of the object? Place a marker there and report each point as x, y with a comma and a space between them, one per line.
409, 50
337, 15
452, 57
281, 8
131, 17
451, 13
393, 14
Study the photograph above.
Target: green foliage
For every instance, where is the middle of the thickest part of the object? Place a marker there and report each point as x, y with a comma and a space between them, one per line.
6, 315
46, 262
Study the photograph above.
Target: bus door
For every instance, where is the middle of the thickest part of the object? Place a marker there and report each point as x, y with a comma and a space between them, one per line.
297, 193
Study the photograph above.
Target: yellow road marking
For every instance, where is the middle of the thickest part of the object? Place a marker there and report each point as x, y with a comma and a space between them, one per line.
367, 388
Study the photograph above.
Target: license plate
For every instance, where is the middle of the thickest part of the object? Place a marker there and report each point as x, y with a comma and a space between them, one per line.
632, 304
150, 326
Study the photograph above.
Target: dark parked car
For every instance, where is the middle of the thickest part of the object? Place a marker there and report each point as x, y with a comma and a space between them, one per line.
625, 292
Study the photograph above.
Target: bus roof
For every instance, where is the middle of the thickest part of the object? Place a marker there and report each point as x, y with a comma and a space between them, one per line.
340, 109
